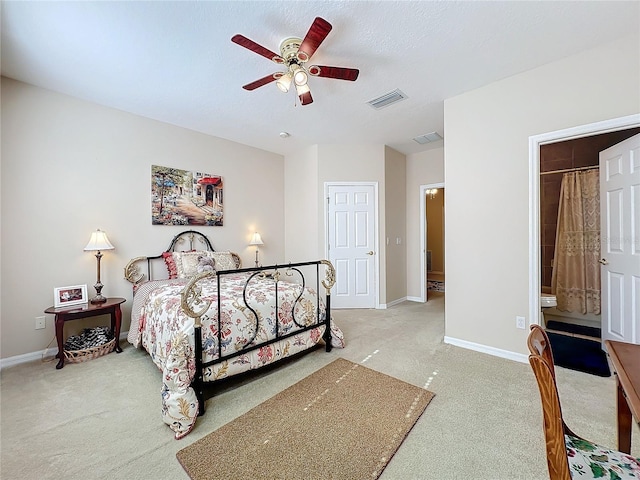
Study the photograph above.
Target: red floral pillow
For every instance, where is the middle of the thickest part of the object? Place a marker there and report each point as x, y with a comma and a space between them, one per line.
171, 264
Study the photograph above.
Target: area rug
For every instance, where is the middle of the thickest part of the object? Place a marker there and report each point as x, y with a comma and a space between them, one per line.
573, 328
345, 421
579, 354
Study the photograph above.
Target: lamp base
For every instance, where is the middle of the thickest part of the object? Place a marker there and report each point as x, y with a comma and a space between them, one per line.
98, 286
98, 299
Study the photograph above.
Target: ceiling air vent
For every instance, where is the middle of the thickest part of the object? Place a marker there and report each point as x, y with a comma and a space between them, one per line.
428, 138
387, 99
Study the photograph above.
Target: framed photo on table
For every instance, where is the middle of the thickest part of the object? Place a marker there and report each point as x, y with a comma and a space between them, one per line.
67, 296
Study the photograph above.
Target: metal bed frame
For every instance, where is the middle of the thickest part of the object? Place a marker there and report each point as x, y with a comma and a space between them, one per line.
195, 307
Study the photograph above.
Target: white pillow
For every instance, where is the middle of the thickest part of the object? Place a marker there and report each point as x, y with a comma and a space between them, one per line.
187, 262
224, 260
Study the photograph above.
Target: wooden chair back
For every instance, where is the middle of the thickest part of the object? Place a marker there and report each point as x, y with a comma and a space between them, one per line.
541, 360
557, 461
538, 343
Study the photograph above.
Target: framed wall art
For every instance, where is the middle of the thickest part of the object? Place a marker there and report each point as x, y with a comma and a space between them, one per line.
67, 296
183, 197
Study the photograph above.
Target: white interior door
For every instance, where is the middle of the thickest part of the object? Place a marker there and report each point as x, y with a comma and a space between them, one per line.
620, 240
351, 228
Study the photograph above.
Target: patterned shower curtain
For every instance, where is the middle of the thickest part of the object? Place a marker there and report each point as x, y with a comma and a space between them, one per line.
576, 272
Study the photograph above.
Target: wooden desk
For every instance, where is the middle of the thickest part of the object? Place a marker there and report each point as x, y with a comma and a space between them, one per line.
625, 358
65, 314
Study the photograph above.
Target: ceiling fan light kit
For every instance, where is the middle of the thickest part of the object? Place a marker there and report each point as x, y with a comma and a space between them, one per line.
299, 75
294, 53
284, 82
302, 89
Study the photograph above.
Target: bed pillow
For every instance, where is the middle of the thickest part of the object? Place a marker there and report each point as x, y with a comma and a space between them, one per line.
187, 262
224, 260
171, 264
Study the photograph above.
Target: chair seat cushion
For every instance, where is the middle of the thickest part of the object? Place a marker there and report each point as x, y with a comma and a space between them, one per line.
590, 461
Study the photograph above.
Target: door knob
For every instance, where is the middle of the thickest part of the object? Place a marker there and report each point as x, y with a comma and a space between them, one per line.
370, 252
603, 261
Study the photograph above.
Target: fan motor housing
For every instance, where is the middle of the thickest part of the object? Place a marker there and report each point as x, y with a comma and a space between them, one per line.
289, 50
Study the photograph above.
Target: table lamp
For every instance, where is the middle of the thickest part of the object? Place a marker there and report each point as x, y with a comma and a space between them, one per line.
98, 242
257, 241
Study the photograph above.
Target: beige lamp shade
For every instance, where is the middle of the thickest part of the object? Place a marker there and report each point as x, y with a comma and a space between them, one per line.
256, 239
98, 241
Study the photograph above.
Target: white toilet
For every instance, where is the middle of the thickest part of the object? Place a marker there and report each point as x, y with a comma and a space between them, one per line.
547, 300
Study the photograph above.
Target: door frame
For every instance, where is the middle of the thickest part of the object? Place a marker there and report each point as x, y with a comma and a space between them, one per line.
423, 237
535, 141
376, 230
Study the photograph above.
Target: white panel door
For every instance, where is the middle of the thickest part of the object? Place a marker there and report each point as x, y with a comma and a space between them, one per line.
620, 240
351, 244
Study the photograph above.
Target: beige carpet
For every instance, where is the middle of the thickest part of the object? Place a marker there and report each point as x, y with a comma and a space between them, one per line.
345, 421
100, 420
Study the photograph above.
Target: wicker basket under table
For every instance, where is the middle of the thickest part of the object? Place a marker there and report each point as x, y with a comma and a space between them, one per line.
78, 356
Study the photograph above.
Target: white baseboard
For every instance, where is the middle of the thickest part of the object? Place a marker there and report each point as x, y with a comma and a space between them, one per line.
496, 352
396, 302
30, 357
18, 359
415, 299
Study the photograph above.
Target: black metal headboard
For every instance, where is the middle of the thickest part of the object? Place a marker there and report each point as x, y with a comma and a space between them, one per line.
193, 239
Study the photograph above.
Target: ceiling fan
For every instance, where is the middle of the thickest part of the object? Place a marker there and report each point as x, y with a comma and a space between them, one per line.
294, 55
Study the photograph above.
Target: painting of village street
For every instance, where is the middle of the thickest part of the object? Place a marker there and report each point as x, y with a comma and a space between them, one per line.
181, 197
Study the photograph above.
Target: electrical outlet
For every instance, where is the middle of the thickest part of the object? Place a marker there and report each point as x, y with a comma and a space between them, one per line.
40, 323
520, 322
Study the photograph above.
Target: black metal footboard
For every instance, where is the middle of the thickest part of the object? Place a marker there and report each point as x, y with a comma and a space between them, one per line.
194, 306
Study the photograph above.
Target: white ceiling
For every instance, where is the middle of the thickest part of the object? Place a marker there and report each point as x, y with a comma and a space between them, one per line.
175, 62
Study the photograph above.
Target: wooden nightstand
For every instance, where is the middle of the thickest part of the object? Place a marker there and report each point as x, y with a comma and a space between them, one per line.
65, 314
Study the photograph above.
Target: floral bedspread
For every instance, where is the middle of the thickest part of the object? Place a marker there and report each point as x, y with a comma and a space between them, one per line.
166, 332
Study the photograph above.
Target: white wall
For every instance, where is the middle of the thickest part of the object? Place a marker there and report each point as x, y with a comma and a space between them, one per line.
424, 168
303, 198
486, 171
69, 167
396, 225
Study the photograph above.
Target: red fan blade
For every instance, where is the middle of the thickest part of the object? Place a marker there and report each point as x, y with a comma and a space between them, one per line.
318, 31
259, 49
262, 81
340, 73
306, 98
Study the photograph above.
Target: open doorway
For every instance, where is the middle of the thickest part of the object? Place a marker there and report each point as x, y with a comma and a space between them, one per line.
432, 239
535, 144
560, 164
